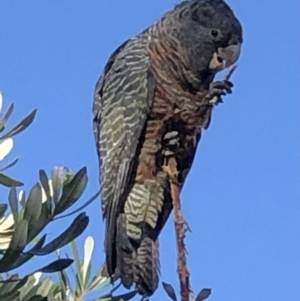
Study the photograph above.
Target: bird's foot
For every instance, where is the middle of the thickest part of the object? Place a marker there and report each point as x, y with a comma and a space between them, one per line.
218, 89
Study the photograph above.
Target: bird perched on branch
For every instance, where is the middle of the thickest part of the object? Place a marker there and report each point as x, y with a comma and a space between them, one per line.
150, 104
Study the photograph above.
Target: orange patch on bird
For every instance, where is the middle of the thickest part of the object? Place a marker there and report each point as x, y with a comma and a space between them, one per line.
153, 130
147, 169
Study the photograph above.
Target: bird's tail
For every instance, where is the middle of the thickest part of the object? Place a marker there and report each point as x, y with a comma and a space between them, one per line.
139, 264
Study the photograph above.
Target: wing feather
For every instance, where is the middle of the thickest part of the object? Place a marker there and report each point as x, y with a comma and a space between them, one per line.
123, 96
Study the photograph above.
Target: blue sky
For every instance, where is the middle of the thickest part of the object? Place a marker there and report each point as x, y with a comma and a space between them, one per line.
242, 195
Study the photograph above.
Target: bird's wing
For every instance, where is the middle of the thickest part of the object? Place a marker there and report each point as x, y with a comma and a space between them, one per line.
123, 96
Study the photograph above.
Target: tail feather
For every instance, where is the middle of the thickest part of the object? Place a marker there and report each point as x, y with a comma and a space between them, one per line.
147, 267
137, 263
124, 253
125, 265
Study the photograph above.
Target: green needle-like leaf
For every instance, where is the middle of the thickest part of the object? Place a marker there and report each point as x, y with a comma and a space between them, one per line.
40, 290
8, 181
56, 266
45, 183
3, 208
88, 202
33, 206
85, 270
74, 230
24, 257
102, 279
72, 191
38, 298
13, 203
16, 246
33, 209
11, 285
57, 178
64, 283
6, 117
21, 126
23, 199
78, 266
11, 296
45, 287
39, 224
98, 282
27, 288
11, 164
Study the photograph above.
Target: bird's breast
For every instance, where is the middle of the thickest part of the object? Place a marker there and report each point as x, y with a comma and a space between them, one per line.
179, 116
172, 127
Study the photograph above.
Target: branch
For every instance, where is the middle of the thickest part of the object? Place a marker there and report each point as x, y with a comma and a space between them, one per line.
181, 228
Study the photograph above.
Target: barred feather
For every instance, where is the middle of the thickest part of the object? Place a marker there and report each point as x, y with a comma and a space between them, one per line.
149, 105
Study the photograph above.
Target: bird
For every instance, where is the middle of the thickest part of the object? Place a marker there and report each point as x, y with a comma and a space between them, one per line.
152, 102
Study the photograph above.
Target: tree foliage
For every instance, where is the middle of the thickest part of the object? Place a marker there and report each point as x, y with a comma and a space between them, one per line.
22, 237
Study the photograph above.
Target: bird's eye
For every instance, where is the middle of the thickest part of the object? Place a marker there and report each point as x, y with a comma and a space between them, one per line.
219, 59
214, 33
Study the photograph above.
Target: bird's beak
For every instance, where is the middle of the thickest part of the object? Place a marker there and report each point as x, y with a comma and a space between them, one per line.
230, 54
225, 57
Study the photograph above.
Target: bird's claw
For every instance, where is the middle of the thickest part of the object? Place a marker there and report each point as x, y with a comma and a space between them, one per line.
218, 89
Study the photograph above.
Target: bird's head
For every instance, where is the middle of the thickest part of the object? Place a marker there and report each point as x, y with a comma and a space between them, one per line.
209, 33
